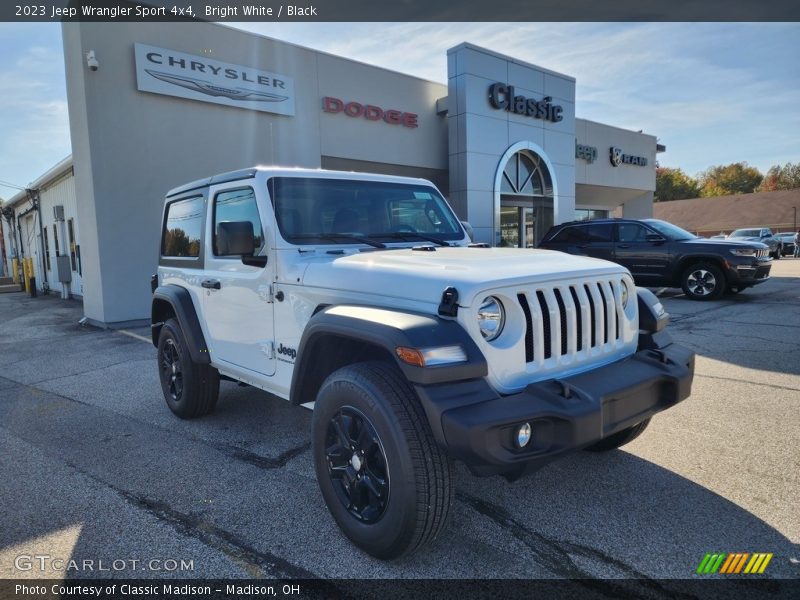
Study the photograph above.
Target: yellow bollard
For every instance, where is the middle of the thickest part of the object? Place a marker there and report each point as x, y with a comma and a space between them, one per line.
14, 272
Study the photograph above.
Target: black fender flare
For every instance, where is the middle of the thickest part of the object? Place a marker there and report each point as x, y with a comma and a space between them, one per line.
181, 302
387, 329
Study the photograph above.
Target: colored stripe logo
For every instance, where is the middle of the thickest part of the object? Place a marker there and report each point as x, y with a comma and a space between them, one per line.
734, 563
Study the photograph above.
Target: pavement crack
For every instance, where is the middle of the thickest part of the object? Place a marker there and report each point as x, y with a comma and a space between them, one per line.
749, 382
264, 462
255, 562
558, 557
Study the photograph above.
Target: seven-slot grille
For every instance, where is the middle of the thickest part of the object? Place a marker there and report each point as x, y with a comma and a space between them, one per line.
762, 253
576, 319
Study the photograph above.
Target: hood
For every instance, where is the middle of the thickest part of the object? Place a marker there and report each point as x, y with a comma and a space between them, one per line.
423, 276
738, 242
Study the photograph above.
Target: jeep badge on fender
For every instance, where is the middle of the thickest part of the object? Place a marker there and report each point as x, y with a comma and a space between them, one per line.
415, 348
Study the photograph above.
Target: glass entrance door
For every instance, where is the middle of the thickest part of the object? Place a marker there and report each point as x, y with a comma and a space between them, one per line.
517, 226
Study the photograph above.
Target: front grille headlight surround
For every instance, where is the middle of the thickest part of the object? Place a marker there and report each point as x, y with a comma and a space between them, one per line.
491, 318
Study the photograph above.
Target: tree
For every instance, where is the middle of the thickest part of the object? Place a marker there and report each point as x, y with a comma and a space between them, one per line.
674, 184
736, 178
786, 177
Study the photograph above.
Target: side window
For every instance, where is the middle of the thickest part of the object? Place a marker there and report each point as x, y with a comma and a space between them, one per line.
182, 228
598, 232
631, 232
571, 235
238, 205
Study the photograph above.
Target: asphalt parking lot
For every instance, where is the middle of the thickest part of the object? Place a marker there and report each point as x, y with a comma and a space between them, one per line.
95, 467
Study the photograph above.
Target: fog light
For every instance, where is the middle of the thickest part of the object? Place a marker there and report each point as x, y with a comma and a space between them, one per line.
524, 435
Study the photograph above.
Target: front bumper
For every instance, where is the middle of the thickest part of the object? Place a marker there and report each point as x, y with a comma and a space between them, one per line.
748, 272
477, 426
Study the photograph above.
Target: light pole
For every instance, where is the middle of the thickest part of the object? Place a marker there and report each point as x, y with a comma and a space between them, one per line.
794, 228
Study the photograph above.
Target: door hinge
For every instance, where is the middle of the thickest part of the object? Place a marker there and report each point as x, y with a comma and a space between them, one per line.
267, 293
269, 350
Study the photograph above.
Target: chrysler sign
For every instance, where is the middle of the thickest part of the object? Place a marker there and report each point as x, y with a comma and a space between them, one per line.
162, 71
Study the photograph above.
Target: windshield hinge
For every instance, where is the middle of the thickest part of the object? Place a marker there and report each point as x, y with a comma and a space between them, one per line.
449, 304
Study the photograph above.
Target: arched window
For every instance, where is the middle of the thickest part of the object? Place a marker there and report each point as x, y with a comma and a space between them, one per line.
525, 174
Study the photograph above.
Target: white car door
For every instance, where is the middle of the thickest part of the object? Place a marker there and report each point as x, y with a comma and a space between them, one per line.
238, 307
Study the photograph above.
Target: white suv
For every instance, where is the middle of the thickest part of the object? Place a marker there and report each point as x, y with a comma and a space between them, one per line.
361, 295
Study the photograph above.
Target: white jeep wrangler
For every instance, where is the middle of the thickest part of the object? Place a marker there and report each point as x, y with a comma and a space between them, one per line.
361, 294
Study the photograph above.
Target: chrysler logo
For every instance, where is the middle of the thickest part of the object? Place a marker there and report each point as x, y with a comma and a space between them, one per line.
211, 89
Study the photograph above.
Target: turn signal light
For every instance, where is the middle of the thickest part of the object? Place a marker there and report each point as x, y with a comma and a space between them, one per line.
431, 357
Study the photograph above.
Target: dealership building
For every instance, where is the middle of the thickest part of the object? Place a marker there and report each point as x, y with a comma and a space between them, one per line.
157, 105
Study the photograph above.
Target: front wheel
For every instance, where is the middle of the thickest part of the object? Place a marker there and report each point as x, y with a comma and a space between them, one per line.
703, 281
381, 474
620, 438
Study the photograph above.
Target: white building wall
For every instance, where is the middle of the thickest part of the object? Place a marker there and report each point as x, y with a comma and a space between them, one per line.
61, 192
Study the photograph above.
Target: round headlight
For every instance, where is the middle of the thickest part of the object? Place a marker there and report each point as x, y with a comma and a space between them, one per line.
625, 294
491, 318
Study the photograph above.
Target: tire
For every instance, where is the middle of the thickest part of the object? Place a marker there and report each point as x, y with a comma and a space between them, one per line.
190, 389
382, 423
778, 254
620, 438
703, 281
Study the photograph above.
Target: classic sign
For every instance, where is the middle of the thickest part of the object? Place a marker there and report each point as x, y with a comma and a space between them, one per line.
502, 97
162, 71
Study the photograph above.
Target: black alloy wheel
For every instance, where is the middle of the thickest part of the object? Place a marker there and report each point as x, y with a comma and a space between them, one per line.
171, 371
357, 465
190, 388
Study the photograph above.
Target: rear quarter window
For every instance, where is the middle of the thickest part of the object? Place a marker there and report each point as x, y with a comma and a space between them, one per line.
182, 226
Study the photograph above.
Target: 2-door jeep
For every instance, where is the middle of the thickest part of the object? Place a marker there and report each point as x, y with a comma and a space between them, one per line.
361, 295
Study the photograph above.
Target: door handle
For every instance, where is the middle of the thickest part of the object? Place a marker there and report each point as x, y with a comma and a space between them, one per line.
211, 284
623, 245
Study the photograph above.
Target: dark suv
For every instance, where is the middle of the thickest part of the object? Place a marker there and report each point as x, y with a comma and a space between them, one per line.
658, 253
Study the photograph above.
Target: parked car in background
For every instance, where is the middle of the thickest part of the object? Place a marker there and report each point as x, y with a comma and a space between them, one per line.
658, 253
759, 234
787, 242
719, 236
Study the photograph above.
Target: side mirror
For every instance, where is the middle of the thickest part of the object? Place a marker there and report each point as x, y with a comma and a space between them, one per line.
654, 237
235, 238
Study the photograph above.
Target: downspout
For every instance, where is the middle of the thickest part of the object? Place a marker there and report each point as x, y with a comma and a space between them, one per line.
36, 199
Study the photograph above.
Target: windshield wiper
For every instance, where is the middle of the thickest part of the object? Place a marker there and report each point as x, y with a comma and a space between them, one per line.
337, 236
406, 235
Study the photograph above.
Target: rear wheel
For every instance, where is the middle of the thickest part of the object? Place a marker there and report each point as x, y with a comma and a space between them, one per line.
703, 281
190, 389
620, 438
384, 479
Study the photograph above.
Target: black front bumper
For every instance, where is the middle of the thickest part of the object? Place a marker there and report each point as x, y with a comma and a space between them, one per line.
748, 272
478, 427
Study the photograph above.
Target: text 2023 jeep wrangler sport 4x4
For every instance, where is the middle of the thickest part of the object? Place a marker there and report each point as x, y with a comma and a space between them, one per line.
360, 293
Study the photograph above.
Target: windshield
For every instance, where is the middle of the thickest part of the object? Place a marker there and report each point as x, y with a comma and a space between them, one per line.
746, 233
331, 211
670, 231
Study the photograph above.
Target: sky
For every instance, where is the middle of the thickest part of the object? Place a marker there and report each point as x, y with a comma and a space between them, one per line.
713, 93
